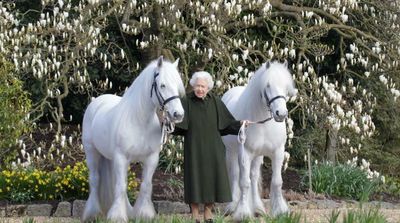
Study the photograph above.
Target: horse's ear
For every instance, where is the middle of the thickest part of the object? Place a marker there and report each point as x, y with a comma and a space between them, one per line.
176, 63
160, 61
285, 63
267, 64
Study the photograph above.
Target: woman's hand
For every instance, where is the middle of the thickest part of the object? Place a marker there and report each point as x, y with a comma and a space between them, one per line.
246, 122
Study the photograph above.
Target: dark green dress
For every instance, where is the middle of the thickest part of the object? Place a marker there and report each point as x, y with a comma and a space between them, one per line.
205, 174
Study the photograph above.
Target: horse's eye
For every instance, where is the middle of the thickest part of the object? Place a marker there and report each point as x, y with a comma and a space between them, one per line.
162, 86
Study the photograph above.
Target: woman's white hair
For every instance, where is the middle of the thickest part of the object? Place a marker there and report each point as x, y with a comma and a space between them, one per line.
202, 75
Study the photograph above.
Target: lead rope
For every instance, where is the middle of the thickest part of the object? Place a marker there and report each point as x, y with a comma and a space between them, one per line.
241, 137
167, 127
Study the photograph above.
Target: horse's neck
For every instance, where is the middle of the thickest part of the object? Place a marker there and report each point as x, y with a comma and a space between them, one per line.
251, 105
137, 103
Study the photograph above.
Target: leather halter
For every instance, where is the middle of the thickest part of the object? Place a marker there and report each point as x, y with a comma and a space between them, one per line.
162, 102
166, 125
269, 102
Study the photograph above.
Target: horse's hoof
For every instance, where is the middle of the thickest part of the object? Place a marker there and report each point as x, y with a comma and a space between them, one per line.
145, 211
118, 220
116, 217
241, 216
280, 212
259, 211
279, 207
242, 212
88, 219
90, 214
230, 208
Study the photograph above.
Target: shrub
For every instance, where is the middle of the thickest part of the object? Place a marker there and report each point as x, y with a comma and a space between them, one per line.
343, 180
45, 149
26, 184
391, 186
171, 156
14, 107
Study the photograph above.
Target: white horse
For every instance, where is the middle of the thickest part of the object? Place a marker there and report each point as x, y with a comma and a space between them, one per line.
264, 101
119, 130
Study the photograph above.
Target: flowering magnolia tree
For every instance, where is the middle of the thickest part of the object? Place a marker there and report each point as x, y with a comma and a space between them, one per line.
344, 55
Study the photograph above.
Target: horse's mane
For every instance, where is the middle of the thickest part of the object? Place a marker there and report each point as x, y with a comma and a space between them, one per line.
144, 80
277, 74
140, 89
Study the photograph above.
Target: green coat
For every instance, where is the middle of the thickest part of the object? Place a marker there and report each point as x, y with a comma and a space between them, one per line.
205, 174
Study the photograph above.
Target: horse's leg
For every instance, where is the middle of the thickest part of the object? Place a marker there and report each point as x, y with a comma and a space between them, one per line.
144, 207
243, 209
92, 206
278, 203
255, 176
233, 171
118, 212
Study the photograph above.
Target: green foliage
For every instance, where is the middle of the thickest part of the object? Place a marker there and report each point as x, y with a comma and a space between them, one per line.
334, 216
364, 216
175, 183
356, 216
385, 158
29, 220
342, 180
21, 196
49, 150
171, 156
284, 218
14, 107
27, 184
391, 186
384, 147
308, 137
270, 37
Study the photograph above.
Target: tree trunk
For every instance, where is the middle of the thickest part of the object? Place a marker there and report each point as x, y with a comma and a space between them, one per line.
310, 189
155, 47
331, 145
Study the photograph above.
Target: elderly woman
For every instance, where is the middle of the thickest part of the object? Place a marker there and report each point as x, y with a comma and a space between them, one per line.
206, 120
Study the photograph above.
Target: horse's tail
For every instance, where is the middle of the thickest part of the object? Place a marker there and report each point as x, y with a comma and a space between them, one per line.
106, 184
103, 180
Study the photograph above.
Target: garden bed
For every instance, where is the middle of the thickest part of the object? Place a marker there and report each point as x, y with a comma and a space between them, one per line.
169, 186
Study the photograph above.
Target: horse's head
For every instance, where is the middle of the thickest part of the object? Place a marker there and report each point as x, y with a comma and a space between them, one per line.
167, 88
279, 87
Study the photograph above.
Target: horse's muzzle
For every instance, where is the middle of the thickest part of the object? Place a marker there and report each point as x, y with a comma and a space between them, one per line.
176, 117
280, 117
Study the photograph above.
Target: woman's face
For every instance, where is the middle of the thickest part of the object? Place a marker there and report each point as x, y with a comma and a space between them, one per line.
200, 88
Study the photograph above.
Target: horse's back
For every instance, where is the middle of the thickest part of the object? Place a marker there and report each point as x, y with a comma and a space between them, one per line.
99, 105
231, 97
103, 102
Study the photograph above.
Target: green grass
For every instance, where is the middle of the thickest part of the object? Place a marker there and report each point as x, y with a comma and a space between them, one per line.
364, 216
352, 216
